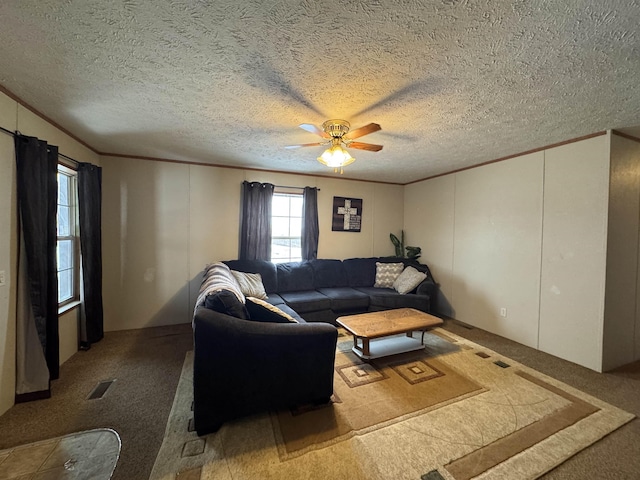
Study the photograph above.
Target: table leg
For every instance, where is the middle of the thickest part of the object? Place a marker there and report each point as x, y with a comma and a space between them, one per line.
365, 347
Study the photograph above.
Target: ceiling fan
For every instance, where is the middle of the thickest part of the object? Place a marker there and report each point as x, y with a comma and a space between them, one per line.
336, 133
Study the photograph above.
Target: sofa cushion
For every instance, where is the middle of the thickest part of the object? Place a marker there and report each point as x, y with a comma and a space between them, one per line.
386, 274
408, 280
307, 301
266, 269
328, 273
275, 299
262, 311
225, 301
294, 277
250, 284
346, 299
361, 272
388, 298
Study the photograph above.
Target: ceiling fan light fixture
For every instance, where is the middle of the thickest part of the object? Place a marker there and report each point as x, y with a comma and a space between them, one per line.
337, 133
336, 157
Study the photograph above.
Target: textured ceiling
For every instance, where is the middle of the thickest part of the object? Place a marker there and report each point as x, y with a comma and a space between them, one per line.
452, 82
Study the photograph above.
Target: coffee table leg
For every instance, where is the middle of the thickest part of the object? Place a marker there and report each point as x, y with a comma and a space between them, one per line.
361, 348
356, 346
365, 347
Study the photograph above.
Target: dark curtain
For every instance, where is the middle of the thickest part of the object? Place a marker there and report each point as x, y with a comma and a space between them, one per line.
90, 221
255, 236
37, 184
310, 229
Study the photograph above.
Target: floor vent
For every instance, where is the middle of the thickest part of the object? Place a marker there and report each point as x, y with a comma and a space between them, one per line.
100, 389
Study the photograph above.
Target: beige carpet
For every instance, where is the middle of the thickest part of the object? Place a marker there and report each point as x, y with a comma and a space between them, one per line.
449, 412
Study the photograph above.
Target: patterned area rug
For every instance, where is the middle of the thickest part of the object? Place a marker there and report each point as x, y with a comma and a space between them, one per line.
455, 411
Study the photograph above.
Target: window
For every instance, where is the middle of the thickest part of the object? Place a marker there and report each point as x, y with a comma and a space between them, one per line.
67, 249
286, 227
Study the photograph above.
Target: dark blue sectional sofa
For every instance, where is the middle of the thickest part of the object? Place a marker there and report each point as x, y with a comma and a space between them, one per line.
248, 365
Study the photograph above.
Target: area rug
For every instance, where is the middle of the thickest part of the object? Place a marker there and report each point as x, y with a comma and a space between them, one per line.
453, 411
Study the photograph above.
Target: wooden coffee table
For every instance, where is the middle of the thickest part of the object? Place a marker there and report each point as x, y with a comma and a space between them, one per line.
386, 327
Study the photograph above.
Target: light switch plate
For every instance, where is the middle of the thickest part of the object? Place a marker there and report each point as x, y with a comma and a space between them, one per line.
2, 278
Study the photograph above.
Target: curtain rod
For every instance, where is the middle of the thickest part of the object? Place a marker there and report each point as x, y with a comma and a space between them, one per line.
13, 134
287, 186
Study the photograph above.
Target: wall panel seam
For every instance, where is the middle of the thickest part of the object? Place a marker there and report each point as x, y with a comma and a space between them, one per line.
453, 244
544, 173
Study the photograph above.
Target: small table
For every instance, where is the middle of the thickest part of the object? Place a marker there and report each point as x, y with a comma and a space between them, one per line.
383, 325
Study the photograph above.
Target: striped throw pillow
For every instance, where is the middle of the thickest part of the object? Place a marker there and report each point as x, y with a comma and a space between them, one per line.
386, 274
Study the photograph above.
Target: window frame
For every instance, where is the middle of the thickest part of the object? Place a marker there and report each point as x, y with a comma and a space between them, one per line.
288, 193
72, 204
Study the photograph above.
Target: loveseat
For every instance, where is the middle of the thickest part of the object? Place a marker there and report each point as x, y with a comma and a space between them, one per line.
257, 354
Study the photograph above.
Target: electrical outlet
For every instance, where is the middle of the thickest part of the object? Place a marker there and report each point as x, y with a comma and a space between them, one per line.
503, 312
2, 278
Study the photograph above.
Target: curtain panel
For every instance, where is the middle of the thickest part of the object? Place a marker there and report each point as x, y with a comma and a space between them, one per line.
255, 235
310, 229
90, 222
37, 345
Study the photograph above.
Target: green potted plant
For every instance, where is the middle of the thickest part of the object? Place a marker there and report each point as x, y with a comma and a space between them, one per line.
404, 252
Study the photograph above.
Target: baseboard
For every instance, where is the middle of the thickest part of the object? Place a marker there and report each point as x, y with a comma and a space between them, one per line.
31, 396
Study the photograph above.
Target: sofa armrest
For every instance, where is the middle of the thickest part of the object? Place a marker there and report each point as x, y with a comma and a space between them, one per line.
428, 287
242, 367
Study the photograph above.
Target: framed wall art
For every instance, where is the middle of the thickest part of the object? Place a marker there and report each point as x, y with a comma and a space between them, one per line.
347, 214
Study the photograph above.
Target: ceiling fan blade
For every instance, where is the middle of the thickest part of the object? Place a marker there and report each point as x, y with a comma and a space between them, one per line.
359, 132
313, 129
365, 146
305, 145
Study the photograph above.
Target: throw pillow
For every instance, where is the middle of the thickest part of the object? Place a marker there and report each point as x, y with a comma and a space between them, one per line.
224, 301
386, 274
265, 312
250, 284
409, 279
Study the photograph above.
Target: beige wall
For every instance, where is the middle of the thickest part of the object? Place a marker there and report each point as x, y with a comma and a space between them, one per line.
8, 253
574, 251
162, 222
15, 117
68, 333
526, 234
621, 342
497, 247
480, 231
429, 209
145, 242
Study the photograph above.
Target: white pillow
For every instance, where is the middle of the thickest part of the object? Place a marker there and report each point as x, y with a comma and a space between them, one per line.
386, 273
409, 279
250, 284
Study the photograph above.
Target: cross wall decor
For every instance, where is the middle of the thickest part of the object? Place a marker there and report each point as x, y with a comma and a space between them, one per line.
347, 214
